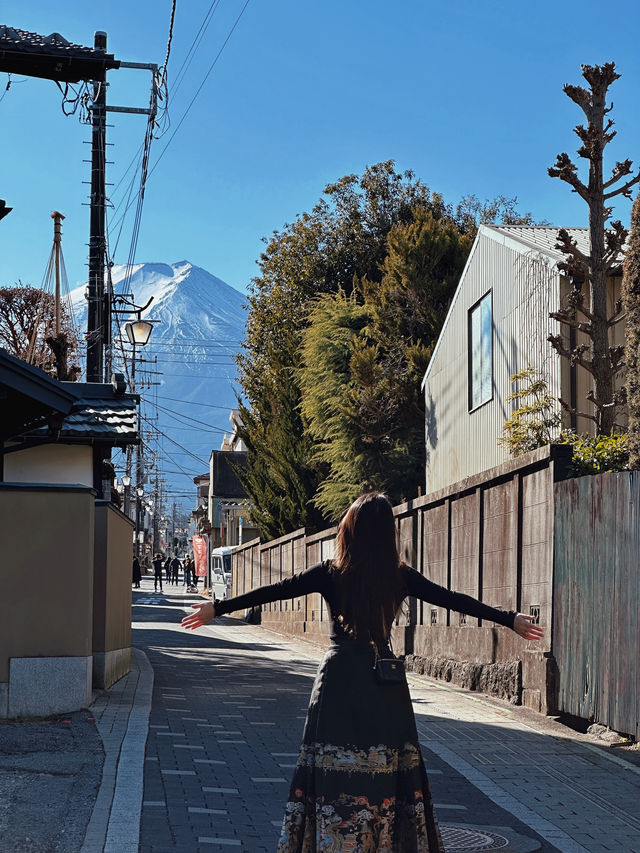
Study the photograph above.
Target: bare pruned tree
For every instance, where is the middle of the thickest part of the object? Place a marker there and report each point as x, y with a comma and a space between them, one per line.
589, 273
27, 330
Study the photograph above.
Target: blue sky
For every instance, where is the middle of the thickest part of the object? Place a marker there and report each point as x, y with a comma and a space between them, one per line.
468, 95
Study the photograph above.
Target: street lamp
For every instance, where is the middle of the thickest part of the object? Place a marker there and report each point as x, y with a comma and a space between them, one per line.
139, 494
126, 483
138, 331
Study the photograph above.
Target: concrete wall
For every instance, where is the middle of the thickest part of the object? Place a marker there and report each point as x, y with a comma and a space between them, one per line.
51, 463
46, 598
111, 595
490, 536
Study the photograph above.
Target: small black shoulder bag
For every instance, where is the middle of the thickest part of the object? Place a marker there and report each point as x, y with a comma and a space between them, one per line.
388, 670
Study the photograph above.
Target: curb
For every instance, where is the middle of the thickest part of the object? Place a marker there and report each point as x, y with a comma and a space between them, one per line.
122, 720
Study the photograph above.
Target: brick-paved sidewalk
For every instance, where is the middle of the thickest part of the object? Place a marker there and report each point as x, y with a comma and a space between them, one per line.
229, 703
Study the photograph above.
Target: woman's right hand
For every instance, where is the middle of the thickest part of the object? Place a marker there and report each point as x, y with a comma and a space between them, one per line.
204, 613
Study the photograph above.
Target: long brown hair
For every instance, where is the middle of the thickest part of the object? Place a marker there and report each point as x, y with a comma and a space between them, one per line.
366, 559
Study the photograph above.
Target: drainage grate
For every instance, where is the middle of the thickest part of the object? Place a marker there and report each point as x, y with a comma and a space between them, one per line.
471, 839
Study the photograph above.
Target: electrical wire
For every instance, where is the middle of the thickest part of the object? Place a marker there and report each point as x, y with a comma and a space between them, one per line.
198, 90
189, 418
195, 44
177, 444
191, 403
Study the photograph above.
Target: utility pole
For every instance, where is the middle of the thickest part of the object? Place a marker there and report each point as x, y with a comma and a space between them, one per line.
156, 517
95, 315
57, 237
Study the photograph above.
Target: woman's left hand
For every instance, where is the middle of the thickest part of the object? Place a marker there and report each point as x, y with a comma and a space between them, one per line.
523, 626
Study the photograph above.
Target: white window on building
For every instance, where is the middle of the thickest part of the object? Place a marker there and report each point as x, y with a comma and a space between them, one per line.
480, 352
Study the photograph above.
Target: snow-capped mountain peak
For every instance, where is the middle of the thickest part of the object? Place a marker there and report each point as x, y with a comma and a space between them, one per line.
198, 327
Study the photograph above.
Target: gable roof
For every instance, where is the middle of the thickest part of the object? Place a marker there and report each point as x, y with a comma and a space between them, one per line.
526, 239
540, 238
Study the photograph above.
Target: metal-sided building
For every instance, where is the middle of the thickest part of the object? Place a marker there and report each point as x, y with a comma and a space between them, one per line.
497, 325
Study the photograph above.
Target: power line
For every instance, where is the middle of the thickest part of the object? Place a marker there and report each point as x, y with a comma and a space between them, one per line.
195, 376
192, 403
194, 47
188, 418
198, 90
177, 444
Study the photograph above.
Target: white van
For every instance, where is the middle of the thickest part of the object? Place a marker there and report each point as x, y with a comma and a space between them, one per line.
221, 572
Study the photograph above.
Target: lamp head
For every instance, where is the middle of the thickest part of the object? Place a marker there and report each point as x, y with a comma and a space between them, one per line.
138, 331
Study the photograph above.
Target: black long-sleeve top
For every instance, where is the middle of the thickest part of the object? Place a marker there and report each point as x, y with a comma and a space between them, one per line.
321, 579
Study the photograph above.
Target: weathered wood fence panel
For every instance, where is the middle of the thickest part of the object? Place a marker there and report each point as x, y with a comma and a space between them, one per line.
597, 599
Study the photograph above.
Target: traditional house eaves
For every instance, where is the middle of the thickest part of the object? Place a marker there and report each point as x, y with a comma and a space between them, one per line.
51, 57
99, 414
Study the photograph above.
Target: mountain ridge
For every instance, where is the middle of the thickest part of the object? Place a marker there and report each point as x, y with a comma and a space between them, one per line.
199, 325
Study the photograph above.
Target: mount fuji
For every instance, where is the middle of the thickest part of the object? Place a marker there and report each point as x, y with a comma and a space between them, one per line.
187, 379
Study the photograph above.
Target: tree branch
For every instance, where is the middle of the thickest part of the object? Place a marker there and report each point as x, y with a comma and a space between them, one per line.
573, 411
618, 171
566, 318
566, 171
624, 190
574, 355
618, 314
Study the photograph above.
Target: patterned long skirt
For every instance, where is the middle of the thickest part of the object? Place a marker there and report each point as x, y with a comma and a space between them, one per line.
359, 784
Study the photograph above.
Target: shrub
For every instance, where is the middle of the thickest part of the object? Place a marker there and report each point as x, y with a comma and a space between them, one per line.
596, 454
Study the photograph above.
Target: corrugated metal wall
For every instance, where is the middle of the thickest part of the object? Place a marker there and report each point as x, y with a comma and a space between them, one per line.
524, 288
460, 443
597, 598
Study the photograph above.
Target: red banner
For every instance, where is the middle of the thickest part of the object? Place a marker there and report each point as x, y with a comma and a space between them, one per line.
200, 555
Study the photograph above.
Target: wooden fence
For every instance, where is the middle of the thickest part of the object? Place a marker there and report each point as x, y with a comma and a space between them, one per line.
521, 537
490, 536
596, 632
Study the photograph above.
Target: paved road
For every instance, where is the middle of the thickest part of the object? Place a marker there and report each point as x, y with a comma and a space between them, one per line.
226, 720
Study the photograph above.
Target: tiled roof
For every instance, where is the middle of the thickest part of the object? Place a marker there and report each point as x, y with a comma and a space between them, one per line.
114, 422
35, 43
52, 56
112, 419
544, 238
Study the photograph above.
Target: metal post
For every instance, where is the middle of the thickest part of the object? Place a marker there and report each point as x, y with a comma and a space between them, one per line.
139, 460
95, 314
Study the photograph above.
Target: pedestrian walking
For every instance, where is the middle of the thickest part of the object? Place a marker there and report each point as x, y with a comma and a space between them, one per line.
187, 570
157, 572
360, 781
136, 573
175, 568
167, 569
